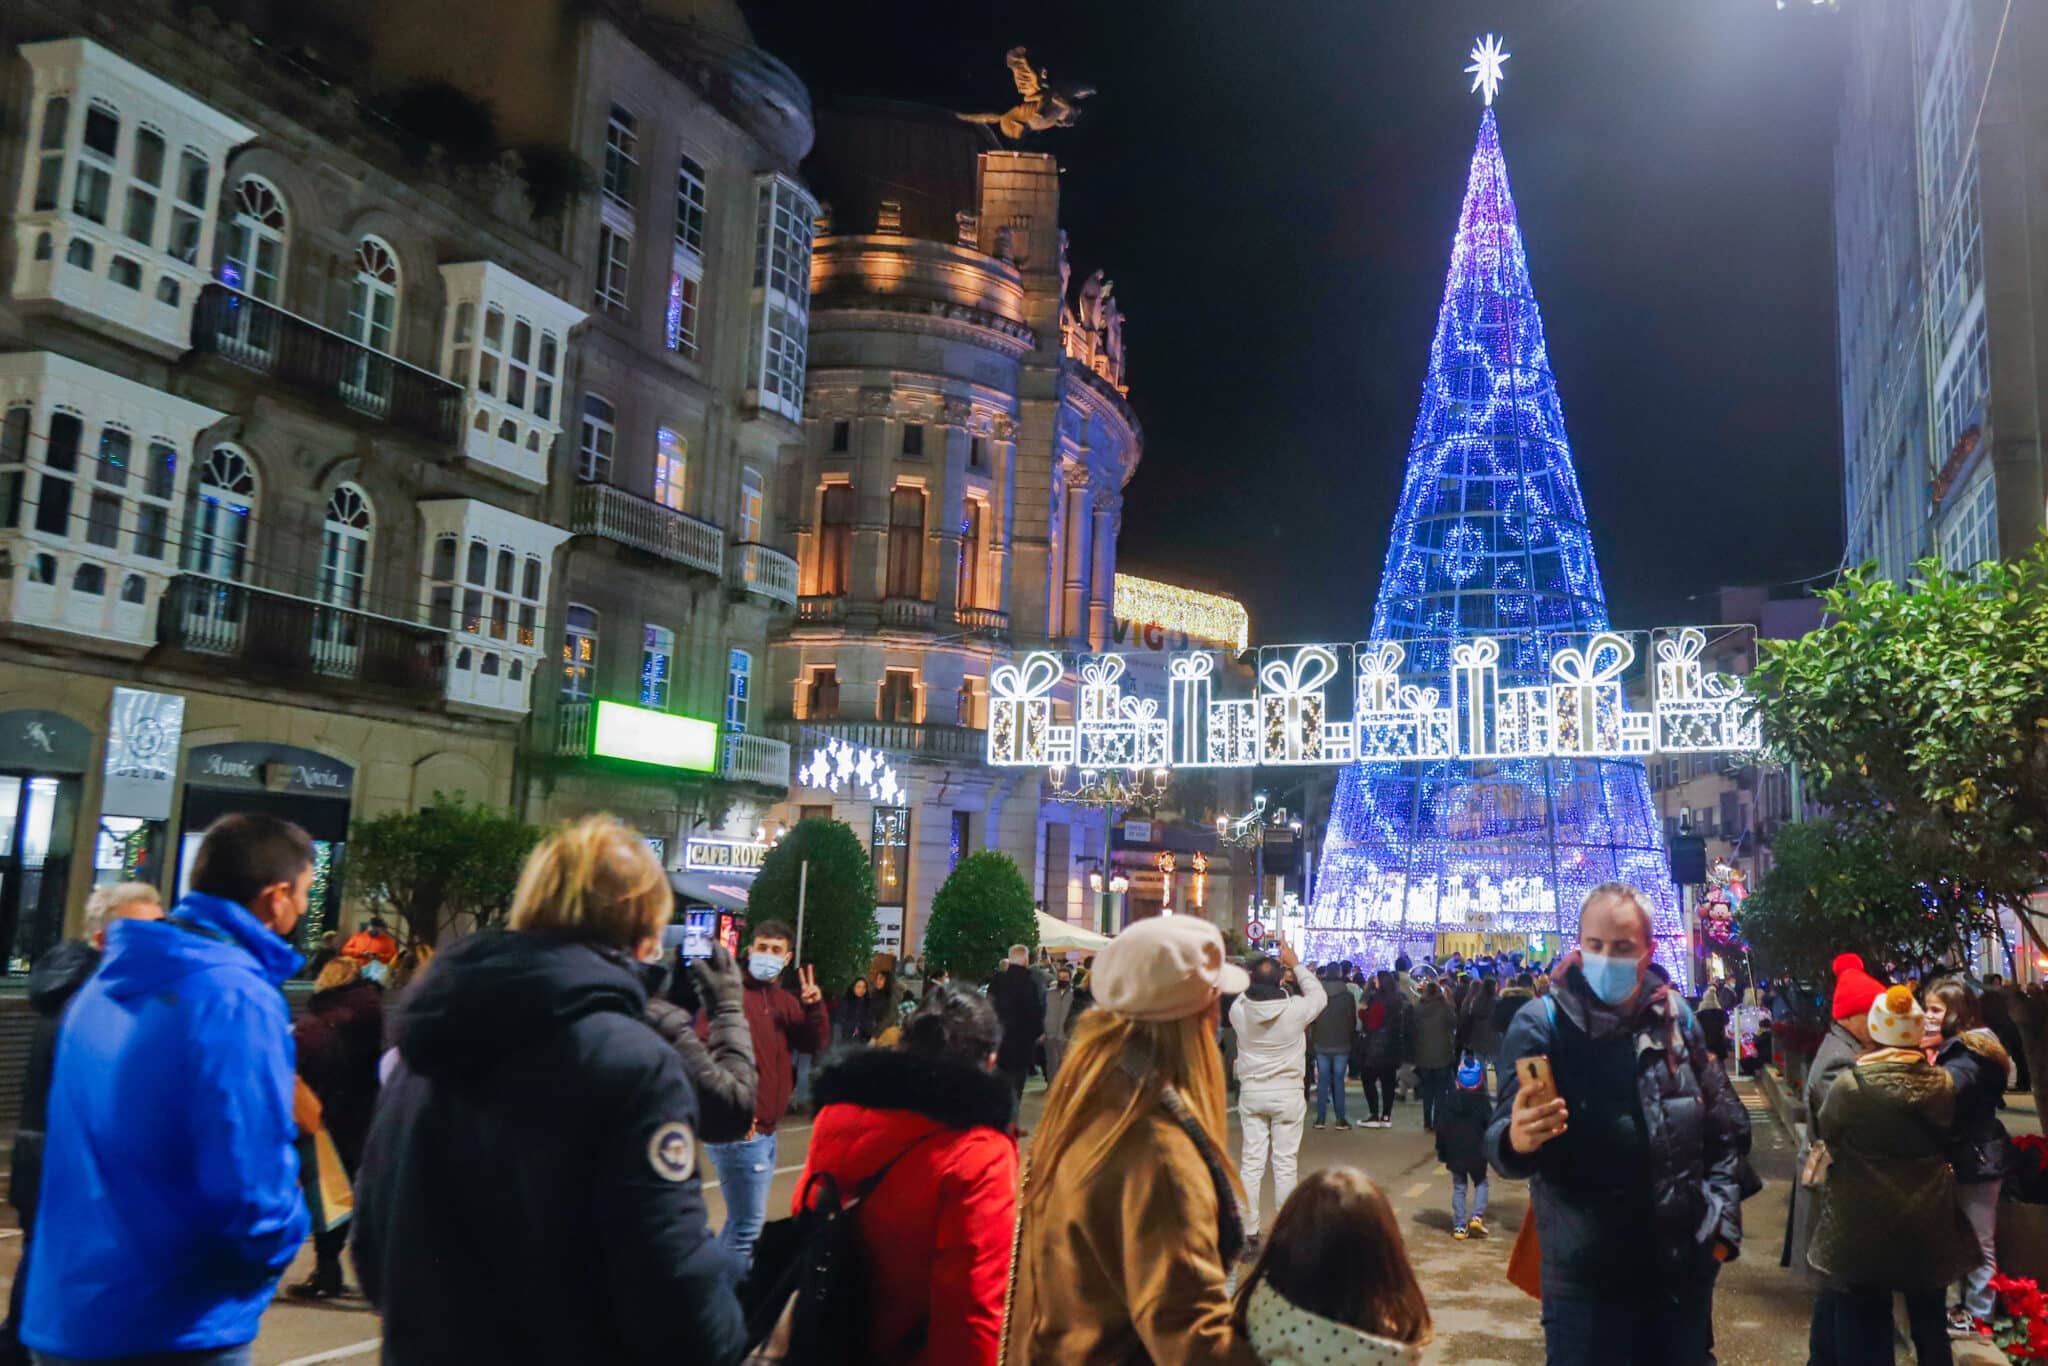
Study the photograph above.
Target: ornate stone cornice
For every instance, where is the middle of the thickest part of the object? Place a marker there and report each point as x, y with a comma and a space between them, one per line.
838, 311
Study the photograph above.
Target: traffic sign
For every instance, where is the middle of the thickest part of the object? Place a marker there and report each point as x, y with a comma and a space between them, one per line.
1255, 931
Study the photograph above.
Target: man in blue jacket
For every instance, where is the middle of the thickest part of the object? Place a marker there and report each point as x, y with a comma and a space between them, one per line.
170, 1201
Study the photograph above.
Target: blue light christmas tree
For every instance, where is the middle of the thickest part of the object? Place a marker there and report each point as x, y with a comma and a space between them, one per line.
1490, 540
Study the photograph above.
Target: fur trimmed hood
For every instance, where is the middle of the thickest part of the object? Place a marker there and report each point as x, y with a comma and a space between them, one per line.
1985, 1045
955, 1094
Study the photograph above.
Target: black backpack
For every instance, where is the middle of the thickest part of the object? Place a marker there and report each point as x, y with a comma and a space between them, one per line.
815, 1257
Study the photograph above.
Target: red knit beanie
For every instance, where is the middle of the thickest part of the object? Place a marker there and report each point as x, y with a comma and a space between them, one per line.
1855, 989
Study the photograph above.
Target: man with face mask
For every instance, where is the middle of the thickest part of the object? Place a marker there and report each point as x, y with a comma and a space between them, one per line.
780, 1025
1059, 1010
1634, 1159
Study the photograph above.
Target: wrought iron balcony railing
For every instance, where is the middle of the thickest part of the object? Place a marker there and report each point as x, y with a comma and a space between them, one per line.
277, 638
299, 352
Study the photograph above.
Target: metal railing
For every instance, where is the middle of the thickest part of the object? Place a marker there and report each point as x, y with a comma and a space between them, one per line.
937, 742
643, 524
572, 730
821, 609
275, 637
263, 337
907, 614
755, 759
764, 570
982, 621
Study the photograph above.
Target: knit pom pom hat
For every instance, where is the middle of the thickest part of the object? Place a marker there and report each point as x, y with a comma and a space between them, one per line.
1896, 1019
1855, 989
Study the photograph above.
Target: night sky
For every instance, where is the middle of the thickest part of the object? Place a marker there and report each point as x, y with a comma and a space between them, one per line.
1273, 185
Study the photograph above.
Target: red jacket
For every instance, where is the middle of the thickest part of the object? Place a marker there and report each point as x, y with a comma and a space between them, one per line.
780, 1025
937, 1231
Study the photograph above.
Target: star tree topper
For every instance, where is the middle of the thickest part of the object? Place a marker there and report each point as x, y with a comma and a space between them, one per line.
1485, 69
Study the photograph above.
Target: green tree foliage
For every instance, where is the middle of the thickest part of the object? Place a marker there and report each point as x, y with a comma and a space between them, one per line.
447, 867
839, 900
1838, 887
980, 910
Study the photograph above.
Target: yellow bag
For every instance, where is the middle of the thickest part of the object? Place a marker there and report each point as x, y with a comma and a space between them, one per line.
330, 1200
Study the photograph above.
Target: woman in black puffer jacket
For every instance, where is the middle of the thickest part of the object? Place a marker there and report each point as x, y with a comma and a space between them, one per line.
1978, 1063
723, 1072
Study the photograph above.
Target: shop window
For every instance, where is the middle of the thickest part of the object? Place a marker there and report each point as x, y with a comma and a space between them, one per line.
657, 656
579, 654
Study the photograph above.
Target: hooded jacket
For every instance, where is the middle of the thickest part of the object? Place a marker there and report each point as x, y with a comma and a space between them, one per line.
1977, 1062
1631, 1198
340, 1038
780, 1025
937, 1230
53, 981
1270, 1034
530, 1190
1338, 1022
1461, 1119
170, 1200
1285, 1334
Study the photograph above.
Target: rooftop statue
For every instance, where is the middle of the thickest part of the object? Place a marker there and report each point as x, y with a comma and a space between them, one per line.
1044, 105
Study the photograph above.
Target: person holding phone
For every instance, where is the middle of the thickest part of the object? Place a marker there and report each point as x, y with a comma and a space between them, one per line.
1632, 1140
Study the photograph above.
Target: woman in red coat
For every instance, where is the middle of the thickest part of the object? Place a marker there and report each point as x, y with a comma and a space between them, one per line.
938, 1228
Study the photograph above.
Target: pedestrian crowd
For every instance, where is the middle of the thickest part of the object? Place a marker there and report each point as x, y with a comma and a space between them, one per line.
510, 1141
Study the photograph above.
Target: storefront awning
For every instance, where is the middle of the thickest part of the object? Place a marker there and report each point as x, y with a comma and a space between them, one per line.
710, 889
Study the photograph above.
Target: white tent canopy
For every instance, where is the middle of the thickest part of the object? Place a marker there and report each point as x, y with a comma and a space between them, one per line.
1058, 936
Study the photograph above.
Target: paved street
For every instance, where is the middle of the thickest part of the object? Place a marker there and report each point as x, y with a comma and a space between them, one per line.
1480, 1318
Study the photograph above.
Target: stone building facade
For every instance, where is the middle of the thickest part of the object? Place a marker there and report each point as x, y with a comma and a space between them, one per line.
956, 499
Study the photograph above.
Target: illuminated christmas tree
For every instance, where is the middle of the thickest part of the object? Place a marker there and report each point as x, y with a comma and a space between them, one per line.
1490, 540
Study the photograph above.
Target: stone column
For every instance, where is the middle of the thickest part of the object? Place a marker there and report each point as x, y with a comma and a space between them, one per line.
1074, 555
1108, 513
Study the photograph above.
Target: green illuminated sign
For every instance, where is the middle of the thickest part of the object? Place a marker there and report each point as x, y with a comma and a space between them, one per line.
662, 738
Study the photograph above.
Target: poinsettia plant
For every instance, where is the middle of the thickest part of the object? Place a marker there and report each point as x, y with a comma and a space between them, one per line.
2019, 1326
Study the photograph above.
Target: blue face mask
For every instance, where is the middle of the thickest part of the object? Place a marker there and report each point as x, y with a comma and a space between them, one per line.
1613, 980
766, 967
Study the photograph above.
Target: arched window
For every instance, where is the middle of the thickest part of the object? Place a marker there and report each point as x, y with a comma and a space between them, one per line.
373, 299
835, 539
345, 548
252, 248
90, 579
217, 535
906, 543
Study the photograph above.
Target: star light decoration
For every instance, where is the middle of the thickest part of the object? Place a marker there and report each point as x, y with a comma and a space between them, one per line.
1485, 69
836, 766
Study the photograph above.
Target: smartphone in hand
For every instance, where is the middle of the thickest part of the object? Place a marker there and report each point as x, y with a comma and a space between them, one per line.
1533, 1073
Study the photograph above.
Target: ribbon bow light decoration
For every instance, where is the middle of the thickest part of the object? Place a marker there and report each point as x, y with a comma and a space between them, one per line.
1020, 711
1291, 706
1696, 711
1587, 707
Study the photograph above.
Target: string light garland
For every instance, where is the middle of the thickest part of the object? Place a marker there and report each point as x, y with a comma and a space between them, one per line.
1200, 616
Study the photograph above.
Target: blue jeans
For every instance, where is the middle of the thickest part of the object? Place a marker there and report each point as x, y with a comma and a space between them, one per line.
1330, 1084
1581, 1330
207, 1356
745, 1169
1458, 1181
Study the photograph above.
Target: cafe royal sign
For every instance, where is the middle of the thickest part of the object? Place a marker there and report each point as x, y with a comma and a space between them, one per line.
1486, 697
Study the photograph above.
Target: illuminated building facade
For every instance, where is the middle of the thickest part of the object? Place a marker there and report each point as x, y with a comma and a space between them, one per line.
957, 495
1490, 540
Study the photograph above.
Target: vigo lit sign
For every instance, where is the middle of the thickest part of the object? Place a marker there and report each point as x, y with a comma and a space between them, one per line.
724, 856
644, 736
1479, 697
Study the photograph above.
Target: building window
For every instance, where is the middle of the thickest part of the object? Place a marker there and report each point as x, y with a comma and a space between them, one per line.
217, 537
913, 438
977, 453
671, 469
621, 156
188, 209
519, 373
125, 273
690, 206
679, 321
906, 543
750, 506
842, 436
614, 267
1971, 536
92, 184
153, 502
594, 444
899, 696
373, 297
782, 281
50, 155
145, 179
957, 846
967, 703
345, 548
252, 251
821, 694
579, 654
835, 539
739, 671
657, 651
968, 588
